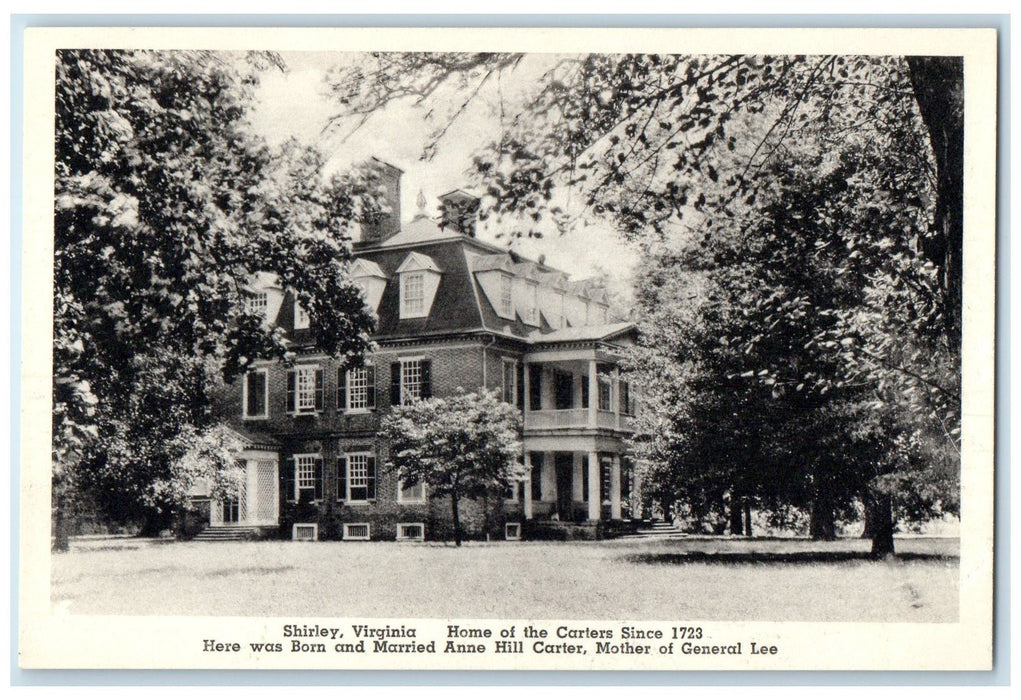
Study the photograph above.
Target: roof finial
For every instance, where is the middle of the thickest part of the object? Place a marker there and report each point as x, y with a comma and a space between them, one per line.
420, 201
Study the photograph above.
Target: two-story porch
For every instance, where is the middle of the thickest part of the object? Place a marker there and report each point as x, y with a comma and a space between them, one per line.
577, 413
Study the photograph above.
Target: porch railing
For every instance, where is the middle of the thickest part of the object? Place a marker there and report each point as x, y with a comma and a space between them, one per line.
564, 418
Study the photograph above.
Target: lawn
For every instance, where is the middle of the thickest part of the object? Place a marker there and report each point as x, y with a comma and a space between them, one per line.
693, 579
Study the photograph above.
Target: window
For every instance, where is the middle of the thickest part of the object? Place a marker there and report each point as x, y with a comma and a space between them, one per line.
307, 474
512, 531
254, 394
356, 531
535, 388
411, 531
305, 532
410, 380
300, 317
536, 460
624, 398
511, 492
558, 304
257, 303
305, 390
510, 380
506, 299
411, 494
605, 392
413, 294
356, 389
532, 303
356, 477
563, 390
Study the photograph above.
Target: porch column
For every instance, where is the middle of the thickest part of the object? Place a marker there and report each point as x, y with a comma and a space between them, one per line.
526, 484
615, 488
527, 388
593, 393
594, 501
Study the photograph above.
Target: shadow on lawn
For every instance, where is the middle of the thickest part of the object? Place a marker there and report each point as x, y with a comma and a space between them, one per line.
679, 558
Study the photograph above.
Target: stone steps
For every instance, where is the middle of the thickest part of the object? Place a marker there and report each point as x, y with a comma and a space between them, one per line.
657, 531
226, 533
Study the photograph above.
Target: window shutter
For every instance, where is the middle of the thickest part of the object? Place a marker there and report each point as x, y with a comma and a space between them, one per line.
427, 387
291, 380
584, 392
319, 478
623, 396
342, 478
370, 386
341, 388
395, 384
251, 409
371, 495
319, 390
288, 474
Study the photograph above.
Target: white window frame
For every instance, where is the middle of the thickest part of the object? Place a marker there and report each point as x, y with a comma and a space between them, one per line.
257, 303
349, 379
301, 320
405, 538
265, 395
401, 498
310, 476
348, 479
300, 407
531, 303
512, 527
368, 532
515, 492
506, 295
604, 381
405, 363
412, 307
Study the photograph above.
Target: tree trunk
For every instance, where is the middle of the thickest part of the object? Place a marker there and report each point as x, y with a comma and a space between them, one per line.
870, 512
457, 519
736, 516
747, 517
62, 527
882, 524
938, 83
823, 524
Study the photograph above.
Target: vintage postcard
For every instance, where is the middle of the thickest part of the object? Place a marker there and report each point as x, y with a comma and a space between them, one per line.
511, 349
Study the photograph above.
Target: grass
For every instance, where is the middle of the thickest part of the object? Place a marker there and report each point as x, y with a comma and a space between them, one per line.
693, 579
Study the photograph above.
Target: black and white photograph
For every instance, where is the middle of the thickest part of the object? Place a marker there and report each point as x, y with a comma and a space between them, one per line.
512, 350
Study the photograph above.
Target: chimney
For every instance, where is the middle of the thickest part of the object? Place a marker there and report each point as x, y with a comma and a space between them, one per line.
459, 211
388, 223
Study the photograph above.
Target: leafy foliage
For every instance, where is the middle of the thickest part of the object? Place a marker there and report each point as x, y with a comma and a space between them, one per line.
165, 207
463, 446
800, 218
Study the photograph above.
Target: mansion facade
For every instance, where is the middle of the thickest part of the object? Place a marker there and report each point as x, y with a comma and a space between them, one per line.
453, 313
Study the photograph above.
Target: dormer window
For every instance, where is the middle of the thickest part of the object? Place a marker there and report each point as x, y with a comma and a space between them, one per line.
506, 297
412, 294
532, 303
300, 317
257, 303
419, 279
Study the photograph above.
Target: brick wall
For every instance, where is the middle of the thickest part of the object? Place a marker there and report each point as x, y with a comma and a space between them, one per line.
333, 432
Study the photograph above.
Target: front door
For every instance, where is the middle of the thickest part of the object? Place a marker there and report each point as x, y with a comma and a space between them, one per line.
564, 462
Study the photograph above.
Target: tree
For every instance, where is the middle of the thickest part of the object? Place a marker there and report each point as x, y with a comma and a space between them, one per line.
675, 149
165, 206
466, 446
